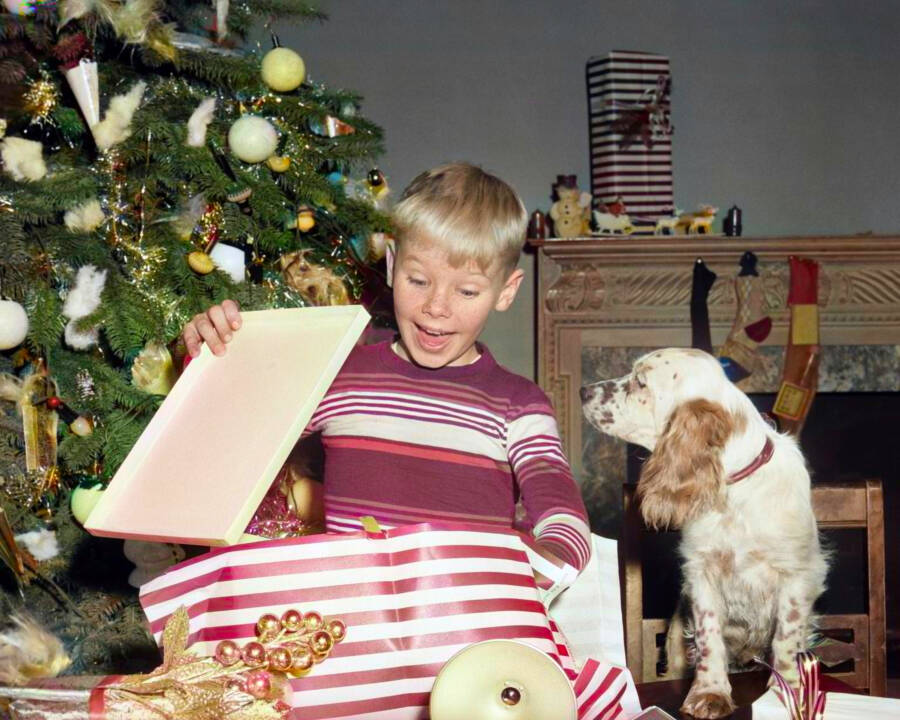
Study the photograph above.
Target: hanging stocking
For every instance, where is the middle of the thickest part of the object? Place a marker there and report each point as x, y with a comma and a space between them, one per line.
751, 324
700, 287
801, 360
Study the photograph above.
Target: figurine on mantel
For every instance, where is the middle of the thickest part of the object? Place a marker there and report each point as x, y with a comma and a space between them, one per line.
695, 223
612, 219
571, 212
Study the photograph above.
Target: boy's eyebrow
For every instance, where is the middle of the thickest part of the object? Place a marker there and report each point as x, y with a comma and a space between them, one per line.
475, 273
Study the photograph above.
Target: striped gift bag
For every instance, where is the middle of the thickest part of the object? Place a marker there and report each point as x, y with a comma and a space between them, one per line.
411, 597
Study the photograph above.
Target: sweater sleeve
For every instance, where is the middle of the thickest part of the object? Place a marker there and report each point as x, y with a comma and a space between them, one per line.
549, 494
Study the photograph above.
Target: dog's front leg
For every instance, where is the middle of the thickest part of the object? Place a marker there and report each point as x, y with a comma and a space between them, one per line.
710, 693
791, 630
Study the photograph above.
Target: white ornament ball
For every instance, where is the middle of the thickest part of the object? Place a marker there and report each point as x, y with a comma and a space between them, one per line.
83, 500
252, 138
230, 260
283, 69
13, 324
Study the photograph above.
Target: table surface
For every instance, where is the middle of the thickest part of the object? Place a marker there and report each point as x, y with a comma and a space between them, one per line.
745, 688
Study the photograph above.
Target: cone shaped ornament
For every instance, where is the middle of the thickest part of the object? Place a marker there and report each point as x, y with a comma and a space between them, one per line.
86, 87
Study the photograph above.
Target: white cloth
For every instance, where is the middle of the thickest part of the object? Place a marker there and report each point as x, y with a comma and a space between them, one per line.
838, 706
589, 612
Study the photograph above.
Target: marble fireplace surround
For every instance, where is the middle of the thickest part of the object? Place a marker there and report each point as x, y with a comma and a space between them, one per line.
605, 301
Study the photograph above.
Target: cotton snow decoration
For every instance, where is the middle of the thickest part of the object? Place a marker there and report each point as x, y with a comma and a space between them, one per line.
82, 300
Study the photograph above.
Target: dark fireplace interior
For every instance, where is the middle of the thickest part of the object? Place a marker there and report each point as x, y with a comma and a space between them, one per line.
847, 435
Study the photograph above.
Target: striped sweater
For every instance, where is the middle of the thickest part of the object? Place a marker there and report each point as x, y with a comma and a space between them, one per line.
407, 444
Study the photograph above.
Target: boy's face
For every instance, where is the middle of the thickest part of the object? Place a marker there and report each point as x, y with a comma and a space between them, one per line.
440, 309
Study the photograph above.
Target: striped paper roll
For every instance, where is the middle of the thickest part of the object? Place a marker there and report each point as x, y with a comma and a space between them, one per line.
641, 176
411, 597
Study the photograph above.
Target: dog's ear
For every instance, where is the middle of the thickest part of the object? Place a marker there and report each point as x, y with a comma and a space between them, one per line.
683, 476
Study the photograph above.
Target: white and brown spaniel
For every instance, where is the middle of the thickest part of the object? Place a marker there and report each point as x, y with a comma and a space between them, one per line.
740, 492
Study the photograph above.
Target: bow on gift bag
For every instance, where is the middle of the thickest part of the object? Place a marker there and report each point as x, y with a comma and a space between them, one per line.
412, 596
806, 702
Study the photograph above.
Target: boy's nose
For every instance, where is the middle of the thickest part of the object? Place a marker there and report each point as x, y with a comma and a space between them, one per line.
436, 305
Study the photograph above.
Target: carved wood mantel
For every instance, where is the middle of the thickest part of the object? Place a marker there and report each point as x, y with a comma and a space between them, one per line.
635, 292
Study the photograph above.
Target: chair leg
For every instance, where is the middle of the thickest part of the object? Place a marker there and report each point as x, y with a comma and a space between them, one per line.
875, 547
633, 589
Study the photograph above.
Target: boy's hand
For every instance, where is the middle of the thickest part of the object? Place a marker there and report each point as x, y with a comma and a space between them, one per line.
215, 327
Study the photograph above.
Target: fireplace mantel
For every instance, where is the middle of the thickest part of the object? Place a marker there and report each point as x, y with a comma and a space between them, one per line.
634, 292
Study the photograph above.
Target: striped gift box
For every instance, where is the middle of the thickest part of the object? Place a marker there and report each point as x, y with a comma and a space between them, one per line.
641, 176
411, 597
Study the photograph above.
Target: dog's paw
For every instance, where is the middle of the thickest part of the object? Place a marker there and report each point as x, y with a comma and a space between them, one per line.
707, 704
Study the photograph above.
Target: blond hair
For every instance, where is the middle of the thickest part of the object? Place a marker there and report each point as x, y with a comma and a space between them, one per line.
471, 214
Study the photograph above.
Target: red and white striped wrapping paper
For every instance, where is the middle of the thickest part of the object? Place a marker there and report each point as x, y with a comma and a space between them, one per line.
411, 597
641, 176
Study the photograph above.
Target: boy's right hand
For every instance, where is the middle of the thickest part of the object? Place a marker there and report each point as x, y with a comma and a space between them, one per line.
215, 327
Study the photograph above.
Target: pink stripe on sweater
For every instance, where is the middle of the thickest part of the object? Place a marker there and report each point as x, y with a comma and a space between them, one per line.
418, 451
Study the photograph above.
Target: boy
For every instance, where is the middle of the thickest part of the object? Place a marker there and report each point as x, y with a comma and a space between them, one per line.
429, 427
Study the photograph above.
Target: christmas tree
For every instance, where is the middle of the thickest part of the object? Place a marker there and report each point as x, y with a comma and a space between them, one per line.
149, 169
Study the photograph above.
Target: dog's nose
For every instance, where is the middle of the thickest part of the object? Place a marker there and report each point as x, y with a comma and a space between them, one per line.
586, 392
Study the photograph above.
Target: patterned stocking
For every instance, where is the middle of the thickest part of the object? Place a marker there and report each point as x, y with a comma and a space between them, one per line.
800, 376
751, 323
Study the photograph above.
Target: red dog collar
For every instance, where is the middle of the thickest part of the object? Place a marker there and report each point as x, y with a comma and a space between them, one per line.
764, 456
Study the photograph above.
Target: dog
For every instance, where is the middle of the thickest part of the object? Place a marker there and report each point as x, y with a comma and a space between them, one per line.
740, 492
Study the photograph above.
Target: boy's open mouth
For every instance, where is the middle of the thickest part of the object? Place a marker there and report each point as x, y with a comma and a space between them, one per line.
432, 333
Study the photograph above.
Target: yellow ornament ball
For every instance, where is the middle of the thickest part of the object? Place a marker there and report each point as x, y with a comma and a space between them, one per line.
200, 262
83, 499
278, 163
306, 220
283, 69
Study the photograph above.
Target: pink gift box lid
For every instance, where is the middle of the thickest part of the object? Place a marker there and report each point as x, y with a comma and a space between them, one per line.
206, 459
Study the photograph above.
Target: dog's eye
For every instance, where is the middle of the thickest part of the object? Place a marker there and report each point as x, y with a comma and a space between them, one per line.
640, 383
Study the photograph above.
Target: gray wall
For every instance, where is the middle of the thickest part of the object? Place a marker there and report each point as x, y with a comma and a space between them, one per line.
788, 108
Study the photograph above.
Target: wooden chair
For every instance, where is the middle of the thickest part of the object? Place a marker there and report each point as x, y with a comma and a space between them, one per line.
844, 505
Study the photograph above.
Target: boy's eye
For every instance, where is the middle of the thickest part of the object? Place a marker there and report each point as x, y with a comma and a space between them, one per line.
466, 292
416, 281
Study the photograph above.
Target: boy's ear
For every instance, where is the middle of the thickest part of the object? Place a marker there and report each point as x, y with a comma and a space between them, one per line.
510, 288
390, 254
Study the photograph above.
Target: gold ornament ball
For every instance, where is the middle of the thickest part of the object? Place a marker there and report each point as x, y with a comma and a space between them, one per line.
283, 69
200, 262
13, 324
252, 138
83, 499
227, 654
303, 661
313, 621
259, 684
278, 163
280, 659
254, 655
306, 220
337, 630
292, 620
321, 642
267, 627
